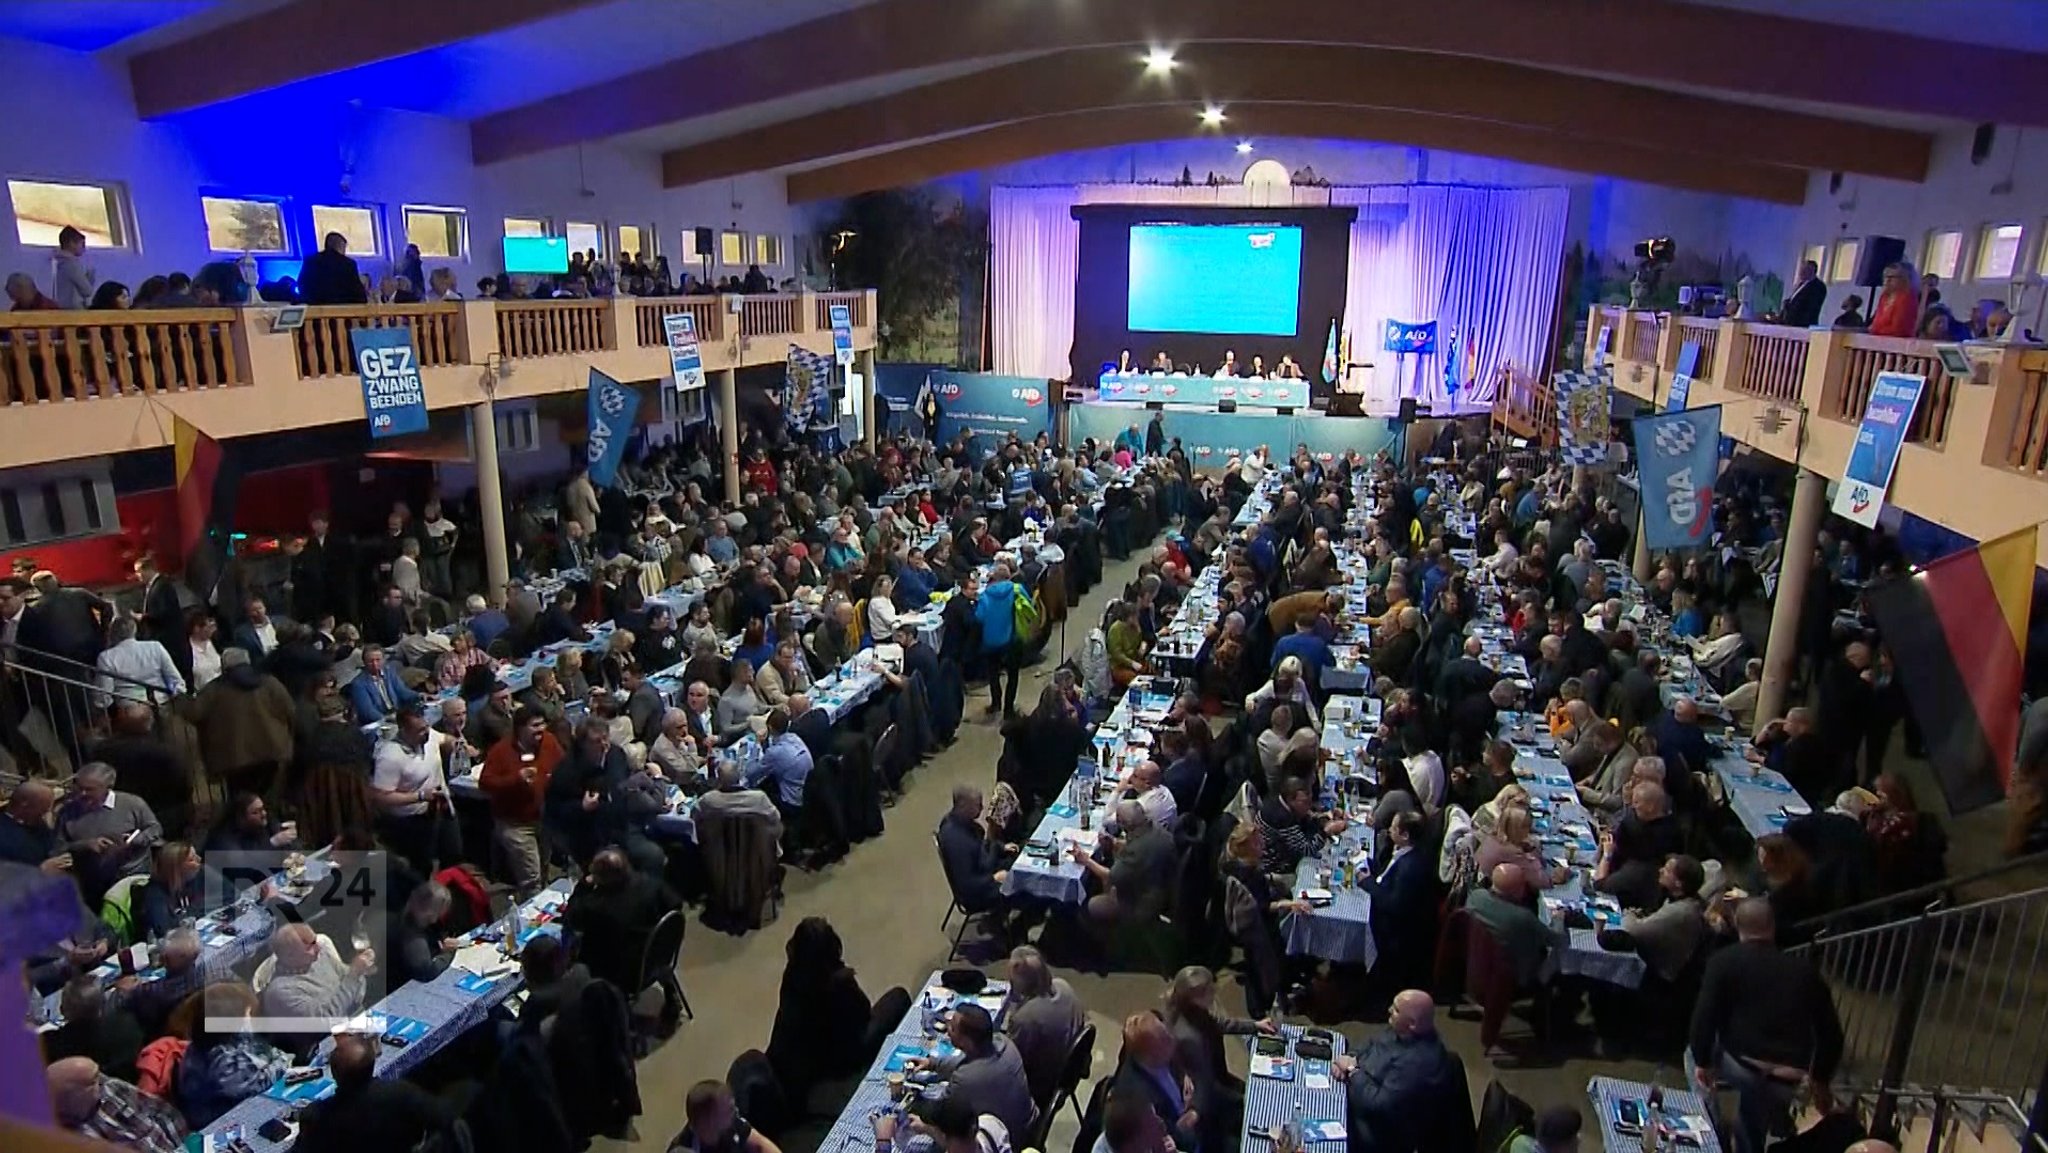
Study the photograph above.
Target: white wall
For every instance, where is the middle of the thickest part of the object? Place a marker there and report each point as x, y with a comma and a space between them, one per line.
72, 119
2009, 186
1607, 215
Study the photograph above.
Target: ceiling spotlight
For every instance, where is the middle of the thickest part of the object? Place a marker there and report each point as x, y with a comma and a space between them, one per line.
1159, 60
1212, 115
1244, 147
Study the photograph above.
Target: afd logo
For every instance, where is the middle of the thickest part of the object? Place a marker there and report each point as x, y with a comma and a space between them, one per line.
1254, 392
1204, 450
1030, 396
1261, 239
1226, 391
1144, 389
948, 390
1111, 387
1326, 457
1170, 389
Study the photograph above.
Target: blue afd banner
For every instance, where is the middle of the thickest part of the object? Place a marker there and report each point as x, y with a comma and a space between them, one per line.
1886, 416
1207, 391
842, 332
613, 410
1680, 458
988, 408
393, 394
1402, 336
1681, 380
685, 359
1209, 438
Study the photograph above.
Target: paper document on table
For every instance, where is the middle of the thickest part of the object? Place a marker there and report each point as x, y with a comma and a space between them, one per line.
1316, 1081
485, 960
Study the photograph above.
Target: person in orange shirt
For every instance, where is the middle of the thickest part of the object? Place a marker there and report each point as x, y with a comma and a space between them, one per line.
515, 778
1897, 312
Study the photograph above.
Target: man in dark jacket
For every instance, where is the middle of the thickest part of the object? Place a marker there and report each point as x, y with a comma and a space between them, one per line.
974, 871
595, 799
331, 277
612, 912
1404, 1088
1808, 296
366, 1111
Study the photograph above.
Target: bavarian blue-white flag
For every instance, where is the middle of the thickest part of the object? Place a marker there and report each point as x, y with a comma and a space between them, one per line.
1679, 458
1330, 356
614, 409
1453, 364
806, 389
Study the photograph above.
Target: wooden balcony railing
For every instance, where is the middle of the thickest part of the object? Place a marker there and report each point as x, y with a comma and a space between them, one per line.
1774, 362
648, 315
2026, 449
1645, 338
1867, 356
770, 315
529, 328
323, 346
1705, 333
1526, 407
856, 303
49, 356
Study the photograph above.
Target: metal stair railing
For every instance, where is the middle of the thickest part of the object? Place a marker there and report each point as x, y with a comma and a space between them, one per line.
52, 708
1951, 1001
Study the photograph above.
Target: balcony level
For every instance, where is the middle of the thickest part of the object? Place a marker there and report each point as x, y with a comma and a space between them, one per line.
82, 384
1976, 455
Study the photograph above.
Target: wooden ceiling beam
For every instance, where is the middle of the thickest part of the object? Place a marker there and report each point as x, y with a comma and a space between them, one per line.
1364, 78
309, 38
1651, 42
1049, 135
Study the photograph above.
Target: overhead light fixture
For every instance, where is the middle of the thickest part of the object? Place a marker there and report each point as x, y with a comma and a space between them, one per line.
1212, 115
1159, 61
1244, 147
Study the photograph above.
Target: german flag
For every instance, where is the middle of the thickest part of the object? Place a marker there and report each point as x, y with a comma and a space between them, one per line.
1957, 633
205, 486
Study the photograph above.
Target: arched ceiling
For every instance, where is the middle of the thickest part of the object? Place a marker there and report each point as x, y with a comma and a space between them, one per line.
1738, 96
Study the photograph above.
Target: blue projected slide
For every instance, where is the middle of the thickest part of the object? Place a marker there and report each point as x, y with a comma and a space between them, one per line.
1223, 278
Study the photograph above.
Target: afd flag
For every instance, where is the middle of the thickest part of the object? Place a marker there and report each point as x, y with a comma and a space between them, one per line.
1679, 455
1330, 365
1453, 364
613, 409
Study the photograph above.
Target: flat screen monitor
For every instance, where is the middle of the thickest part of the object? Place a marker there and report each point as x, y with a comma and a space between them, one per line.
536, 254
1229, 279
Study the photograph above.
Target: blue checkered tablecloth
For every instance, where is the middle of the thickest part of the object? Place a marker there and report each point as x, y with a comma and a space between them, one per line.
1566, 833
447, 1010
1762, 798
854, 1130
1123, 737
1681, 1103
1270, 1103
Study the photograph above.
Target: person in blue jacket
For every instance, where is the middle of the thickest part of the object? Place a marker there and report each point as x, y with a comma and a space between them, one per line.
996, 611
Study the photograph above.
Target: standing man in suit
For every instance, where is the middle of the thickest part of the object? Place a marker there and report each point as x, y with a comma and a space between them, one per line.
1404, 904
257, 634
1802, 307
163, 616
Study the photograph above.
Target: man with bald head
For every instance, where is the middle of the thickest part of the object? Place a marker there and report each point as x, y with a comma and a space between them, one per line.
1508, 910
1764, 1024
1138, 871
366, 1112
185, 973
89, 1103
311, 982
1406, 1092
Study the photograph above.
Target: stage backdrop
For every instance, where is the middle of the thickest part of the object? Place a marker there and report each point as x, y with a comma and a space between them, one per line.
987, 407
1109, 291
1484, 261
1210, 437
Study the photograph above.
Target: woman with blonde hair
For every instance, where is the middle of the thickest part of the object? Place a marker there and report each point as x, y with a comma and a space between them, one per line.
1897, 311
569, 674
1513, 842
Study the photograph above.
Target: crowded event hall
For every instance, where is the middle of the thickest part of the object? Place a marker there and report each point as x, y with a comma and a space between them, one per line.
1024, 576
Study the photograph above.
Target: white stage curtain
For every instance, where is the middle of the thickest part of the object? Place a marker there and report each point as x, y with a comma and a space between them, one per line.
1034, 254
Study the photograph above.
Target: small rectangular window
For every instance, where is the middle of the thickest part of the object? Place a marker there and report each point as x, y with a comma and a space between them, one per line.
45, 208
11, 525
1944, 253
633, 240
89, 500
1816, 255
584, 238
767, 250
691, 252
238, 225
358, 225
1998, 252
525, 226
1843, 270
441, 233
732, 249
54, 519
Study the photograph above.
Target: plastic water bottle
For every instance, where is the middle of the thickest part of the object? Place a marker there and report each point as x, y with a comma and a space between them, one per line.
514, 925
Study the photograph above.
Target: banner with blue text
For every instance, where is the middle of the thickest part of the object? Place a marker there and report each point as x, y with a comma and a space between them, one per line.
394, 396
1875, 455
988, 408
685, 358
